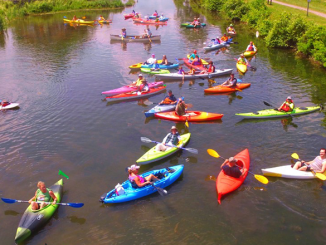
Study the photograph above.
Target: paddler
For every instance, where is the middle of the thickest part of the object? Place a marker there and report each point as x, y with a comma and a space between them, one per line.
210, 69
172, 138
196, 61
151, 60
216, 41
137, 16
138, 181
162, 17
242, 60
165, 60
251, 47
155, 13
181, 107
231, 82
155, 66
193, 55
138, 82
43, 195
181, 71
144, 87
170, 99
74, 18
317, 165
123, 32
224, 38
230, 28
4, 103
147, 32
229, 168
194, 22
101, 18
287, 106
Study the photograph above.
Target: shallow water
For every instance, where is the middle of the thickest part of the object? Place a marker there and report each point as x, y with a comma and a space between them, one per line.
57, 73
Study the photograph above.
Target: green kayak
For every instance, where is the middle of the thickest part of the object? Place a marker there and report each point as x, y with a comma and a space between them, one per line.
32, 221
161, 71
273, 113
152, 155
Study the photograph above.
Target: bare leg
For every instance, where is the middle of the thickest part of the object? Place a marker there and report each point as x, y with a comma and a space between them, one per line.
161, 147
34, 206
151, 177
297, 165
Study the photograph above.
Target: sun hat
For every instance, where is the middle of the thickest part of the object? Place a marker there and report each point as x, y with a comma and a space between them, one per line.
232, 159
140, 75
174, 127
289, 98
133, 167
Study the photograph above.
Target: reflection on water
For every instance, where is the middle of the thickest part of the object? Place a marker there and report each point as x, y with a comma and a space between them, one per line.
75, 219
11, 212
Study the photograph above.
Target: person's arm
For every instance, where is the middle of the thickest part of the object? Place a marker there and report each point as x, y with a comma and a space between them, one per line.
53, 197
163, 142
281, 106
323, 169
225, 162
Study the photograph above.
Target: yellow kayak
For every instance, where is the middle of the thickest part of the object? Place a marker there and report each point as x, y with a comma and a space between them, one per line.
242, 67
79, 21
248, 54
204, 62
138, 65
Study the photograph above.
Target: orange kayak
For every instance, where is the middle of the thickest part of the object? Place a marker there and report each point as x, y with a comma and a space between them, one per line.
191, 116
224, 89
226, 184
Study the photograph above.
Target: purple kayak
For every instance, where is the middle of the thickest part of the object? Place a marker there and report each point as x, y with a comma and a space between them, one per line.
127, 89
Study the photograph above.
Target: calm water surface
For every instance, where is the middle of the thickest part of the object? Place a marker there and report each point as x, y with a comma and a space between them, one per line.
57, 72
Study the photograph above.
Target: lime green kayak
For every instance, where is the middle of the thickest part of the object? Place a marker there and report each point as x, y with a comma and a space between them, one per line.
152, 155
161, 71
273, 113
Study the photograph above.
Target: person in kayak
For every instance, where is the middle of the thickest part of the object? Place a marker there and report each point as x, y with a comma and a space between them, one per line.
162, 17
224, 38
147, 32
210, 69
144, 87
229, 168
138, 181
216, 41
43, 195
192, 71
231, 82
230, 28
151, 60
196, 61
251, 47
317, 165
181, 71
123, 32
155, 66
165, 60
4, 103
287, 106
170, 99
181, 108
155, 13
74, 18
137, 15
101, 18
193, 56
172, 138
242, 60
138, 82
194, 22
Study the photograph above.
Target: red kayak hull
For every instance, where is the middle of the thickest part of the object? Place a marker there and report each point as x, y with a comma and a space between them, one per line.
197, 67
198, 117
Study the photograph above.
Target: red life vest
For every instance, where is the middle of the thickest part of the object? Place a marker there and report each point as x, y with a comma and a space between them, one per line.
251, 48
285, 107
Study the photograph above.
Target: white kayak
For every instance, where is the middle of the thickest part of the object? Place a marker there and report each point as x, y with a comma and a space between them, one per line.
160, 108
10, 106
176, 76
288, 172
215, 46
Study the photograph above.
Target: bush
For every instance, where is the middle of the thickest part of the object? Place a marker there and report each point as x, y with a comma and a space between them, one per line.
213, 5
235, 9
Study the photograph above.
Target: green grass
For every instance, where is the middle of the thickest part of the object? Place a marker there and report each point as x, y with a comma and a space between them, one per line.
317, 5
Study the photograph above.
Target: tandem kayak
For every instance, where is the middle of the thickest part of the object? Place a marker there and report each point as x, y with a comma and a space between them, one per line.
143, 21
9, 105
224, 89
242, 68
171, 174
160, 108
204, 62
218, 46
288, 172
33, 220
128, 89
197, 67
79, 21
138, 65
153, 155
172, 66
273, 113
132, 38
159, 18
191, 116
150, 71
136, 95
176, 76
189, 23
226, 184
248, 54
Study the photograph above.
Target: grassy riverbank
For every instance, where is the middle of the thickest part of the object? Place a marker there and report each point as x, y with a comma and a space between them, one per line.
280, 29
318, 5
9, 10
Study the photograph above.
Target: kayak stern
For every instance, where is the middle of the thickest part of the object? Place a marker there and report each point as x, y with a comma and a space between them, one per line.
22, 234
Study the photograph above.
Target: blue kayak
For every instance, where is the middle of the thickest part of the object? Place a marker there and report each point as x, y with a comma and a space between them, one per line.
173, 66
160, 108
171, 174
160, 19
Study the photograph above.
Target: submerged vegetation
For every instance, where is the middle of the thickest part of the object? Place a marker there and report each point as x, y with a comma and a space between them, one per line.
284, 30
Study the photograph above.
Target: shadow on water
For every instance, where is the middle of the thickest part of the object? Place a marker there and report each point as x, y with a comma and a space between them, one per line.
11, 212
285, 122
75, 219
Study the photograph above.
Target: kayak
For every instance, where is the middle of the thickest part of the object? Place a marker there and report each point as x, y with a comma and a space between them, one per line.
189, 23
197, 67
160, 19
288, 172
248, 54
218, 46
171, 174
172, 66
9, 106
224, 89
128, 89
150, 71
79, 21
152, 155
242, 68
132, 38
273, 113
176, 76
138, 65
33, 220
143, 21
160, 108
137, 95
105, 21
232, 32
226, 184
128, 16
202, 61
193, 26
191, 116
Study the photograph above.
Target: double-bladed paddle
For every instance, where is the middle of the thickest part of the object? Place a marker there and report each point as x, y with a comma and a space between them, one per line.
147, 140
318, 175
70, 204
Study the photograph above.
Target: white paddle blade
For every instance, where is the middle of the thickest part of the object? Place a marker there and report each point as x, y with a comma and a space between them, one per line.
145, 140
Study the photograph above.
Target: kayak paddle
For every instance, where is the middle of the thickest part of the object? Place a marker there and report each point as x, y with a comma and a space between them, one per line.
160, 190
147, 140
63, 174
260, 178
318, 175
73, 205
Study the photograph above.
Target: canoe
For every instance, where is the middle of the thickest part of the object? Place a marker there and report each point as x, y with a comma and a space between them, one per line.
273, 113
88, 22
160, 19
143, 21
288, 172
189, 23
175, 76
105, 21
226, 184
128, 89
171, 174
31, 221
136, 95
197, 67
248, 54
202, 61
242, 68
149, 70
160, 108
198, 116
224, 89
173, 66
10, 106
218, 46
152, 155
131, 38
193, 26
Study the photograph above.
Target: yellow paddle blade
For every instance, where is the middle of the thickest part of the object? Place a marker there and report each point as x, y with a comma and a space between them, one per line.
261, 179
320, 176
187, 124
213, 153
295, 156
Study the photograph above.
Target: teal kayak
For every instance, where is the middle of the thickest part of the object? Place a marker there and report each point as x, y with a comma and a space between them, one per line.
273, 113
153, 155
149, 70
189, 23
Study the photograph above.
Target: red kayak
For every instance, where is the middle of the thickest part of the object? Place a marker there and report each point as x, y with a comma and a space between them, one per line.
197, 67
226, 184
128, 16
128, 89
224, 89
136, 95
143, 21
191, 116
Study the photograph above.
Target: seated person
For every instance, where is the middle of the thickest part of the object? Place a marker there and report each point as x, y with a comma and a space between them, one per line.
147, 32
137, 180
195, 20
170, 99
151, 60
162, 17
210, 69
101, 18
155, 13
192, 71
181, 71
42, 195
165, 60
4, 103
230, 28
251, 47
317, 165
181, 107
231, 82
229, 168
123, 32
193, 55
144, 86
155, 66
242, 60
196, 61
217, 41
74, 18
287, 106
224, 38
172, 138
138, 82
137, 16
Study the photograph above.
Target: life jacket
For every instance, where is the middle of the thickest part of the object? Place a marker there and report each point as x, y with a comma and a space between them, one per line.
167, 101
251, 48
286, 107
173, 138
211, 68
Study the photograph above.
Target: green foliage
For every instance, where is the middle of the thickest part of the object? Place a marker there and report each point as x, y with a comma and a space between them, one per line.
213, 5
235, 9
257, 12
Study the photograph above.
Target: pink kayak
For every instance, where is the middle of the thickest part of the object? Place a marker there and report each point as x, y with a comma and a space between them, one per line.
127, 89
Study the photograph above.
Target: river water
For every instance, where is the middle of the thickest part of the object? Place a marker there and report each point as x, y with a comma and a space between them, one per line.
57, 73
